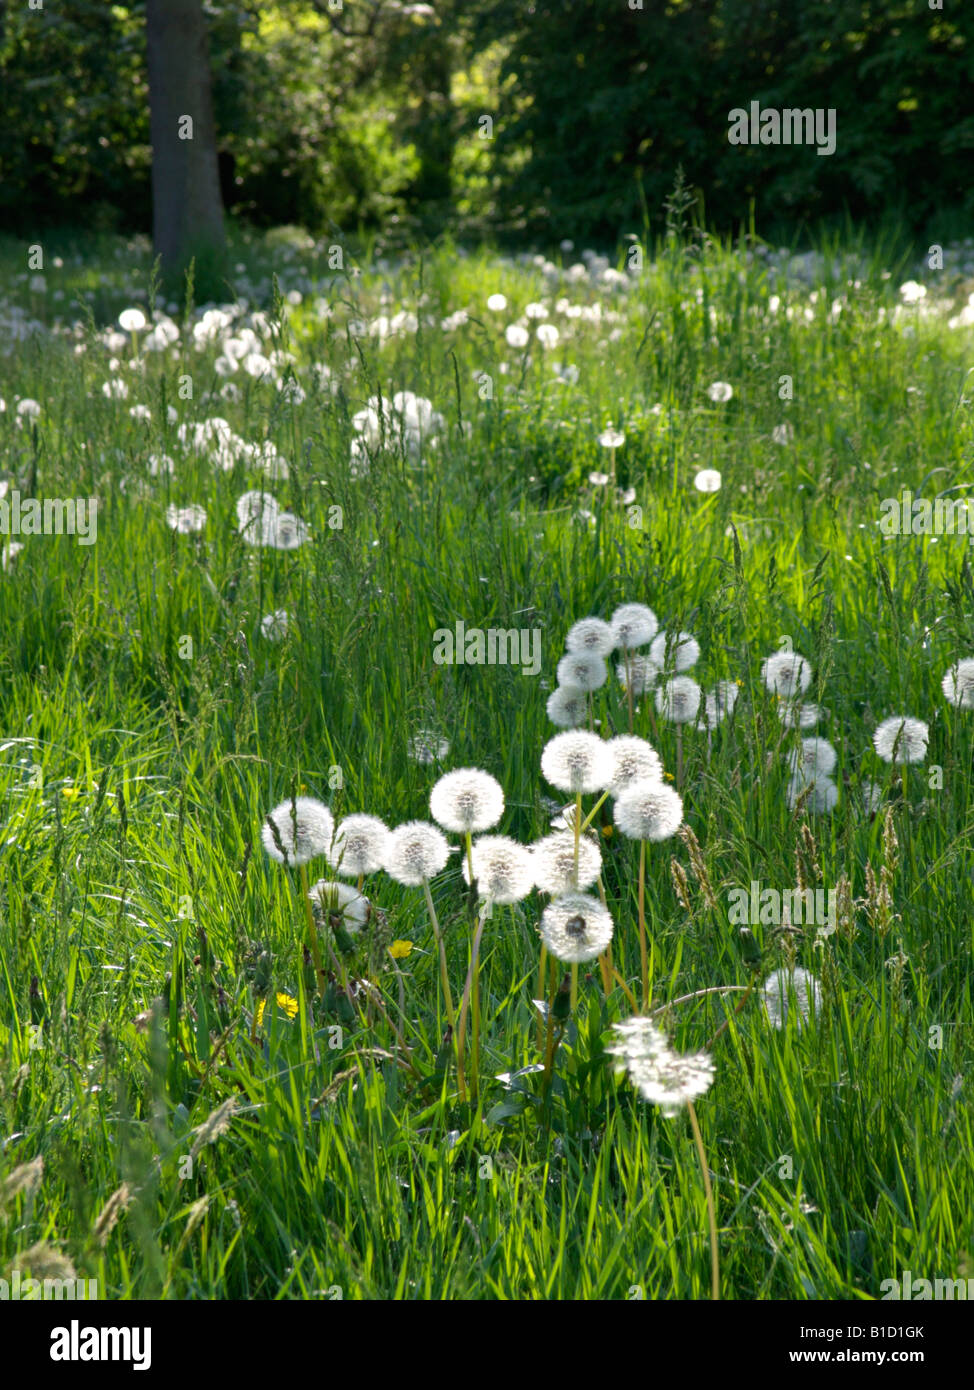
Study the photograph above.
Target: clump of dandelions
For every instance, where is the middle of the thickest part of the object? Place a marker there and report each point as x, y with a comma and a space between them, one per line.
467, 801
576, 928
786, 674
591, 635
567, 706
586, 670
791, 994
359, 846
671, 1080
902, 739
958, 684
295, 832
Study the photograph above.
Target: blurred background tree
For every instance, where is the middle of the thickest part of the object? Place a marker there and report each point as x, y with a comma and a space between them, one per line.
552, 119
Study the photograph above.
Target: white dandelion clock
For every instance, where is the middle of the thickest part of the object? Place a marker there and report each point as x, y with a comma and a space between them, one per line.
611, 438
186, 520
634, 625
359, 846
707, 480
958, 684
576, 928
672, 1080
427, 746
636, 1039
567, 706
820, 795
503, 869
467, 801
554, 862
791, 994
633, 760
674, 651
585, 670
649, 811
902, 739
718, 704
274, 625
415, 852
799, 716
591, 635
339, 901
720, 391
297, 831
637, 673
816, 758
678, 700
786, 674
577, 761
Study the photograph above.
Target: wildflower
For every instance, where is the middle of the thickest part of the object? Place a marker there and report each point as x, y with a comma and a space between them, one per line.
29, 409
822, 798
285, 1002
286, 532
547, 335
674, 652
611, 438
633, 760
503, 869
554, 862
793, 991
678, 700
707, 480
274, 626
787, 674
497, 303
415, 852
648, 811
516, 336
576, 928
958, 684
567, 706
400, 949
719, 703
598, 479
131, 320
720, 391
817, 758
297, 830
256, 515
577, 761
467, 800
359, 846
902, 740
634, 625
584, 669
636, 1039
590, 635
671, 1080
795, 716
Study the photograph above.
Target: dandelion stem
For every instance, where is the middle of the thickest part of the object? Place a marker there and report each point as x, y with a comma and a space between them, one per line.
471, 1001
574, 994
643, 953
312, 930
629, 688
539, 1032
627, 991
594, 811
711, 1209
578, 833
679, 756
444, 980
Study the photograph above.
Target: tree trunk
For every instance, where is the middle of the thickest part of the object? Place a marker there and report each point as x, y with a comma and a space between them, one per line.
187, 211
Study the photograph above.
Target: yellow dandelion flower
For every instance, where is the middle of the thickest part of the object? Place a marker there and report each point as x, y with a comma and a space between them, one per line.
607, 832
400, 949
285, 1003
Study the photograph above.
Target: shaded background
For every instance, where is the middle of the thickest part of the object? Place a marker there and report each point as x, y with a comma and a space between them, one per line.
372, 116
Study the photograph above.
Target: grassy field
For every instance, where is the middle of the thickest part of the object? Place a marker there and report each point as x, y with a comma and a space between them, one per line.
161, 1137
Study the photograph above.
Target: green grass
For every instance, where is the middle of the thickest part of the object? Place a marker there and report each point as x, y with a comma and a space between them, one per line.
134, 779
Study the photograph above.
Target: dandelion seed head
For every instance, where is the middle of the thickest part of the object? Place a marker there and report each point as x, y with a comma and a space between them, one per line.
817, 758
678, 699
649, 811
359, 845
554, 862
707, 480
634, 625
567, 706
503, 869
720, 391
576, 928
467, 800
671, 1080
633, 760
820, 795
787, 674
426, 746
718, 704
902, 739
341, 900
415, 851
640, 671
585, 670
674, 651
591, 635
958, 684
798, 716
297, 830
576, 761
791, 994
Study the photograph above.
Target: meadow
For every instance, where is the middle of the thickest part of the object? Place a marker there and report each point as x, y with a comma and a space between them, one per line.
188, 1107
